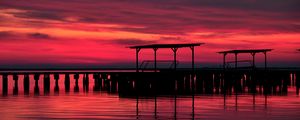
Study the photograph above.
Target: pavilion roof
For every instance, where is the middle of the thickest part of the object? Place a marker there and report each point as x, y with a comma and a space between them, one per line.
246, 51
166, 45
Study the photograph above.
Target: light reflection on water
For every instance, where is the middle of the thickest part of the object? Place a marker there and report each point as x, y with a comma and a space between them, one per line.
105, 105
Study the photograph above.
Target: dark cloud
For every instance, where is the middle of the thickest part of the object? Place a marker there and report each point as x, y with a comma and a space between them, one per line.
170, 16
9, 35
39, 35
171, 38
132, 41
125, 42
6, 34
50, 15
88, 20
254, 5
216, 35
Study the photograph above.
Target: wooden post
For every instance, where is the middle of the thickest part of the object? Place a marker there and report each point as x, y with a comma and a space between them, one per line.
137, 58
155, 66
175, 61
236, 60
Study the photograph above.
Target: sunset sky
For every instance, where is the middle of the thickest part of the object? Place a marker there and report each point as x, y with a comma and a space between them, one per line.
43, 33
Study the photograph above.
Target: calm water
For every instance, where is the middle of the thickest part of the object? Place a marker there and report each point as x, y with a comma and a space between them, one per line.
107, 105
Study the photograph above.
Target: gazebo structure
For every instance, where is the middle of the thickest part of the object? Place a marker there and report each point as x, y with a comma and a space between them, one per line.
250, 51
155, 47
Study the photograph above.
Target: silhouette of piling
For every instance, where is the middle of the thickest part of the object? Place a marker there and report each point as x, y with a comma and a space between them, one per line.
179, 84
113, 83
187, 85
285, 82
96, 77
208, 83
199, 84
56, 87
46, 84
4, 84
217, 82
16, 87
266, 87
85, 82
237, 82
67, 82
106, 82
136, 87
297, 82
36, 84
253, 86
175, 101
126, 87
76, 77
26, 84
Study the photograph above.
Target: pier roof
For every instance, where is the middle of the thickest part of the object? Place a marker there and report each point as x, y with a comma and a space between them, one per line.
166, 45
246, 51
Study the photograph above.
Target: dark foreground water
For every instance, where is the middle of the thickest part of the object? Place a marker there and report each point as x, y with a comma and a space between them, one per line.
107, 105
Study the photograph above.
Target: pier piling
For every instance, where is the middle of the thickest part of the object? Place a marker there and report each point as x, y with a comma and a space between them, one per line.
16, 87
36, 84
46, 83
76, 77
56, 87
67, 82
4, 84
26, 84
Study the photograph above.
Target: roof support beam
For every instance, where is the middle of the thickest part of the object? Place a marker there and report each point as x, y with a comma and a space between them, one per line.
137, 50
236, 60
175, 51
193, 57
155, 66
224, 60
265, 53
253, 59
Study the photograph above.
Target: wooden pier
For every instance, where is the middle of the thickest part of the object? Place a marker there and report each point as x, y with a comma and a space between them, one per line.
186, 82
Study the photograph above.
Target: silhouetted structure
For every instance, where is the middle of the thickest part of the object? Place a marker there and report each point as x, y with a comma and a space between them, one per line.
97, 81
155, 47
16, 87
26, 84
4, 84
67, 82
56, 87
297, 82
252, 52
85, 82
46, 83
36, 85
76, 77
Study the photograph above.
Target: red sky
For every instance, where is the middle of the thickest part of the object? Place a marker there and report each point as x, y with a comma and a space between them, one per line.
97, 32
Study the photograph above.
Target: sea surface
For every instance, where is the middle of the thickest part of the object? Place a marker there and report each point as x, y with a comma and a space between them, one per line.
108, 105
